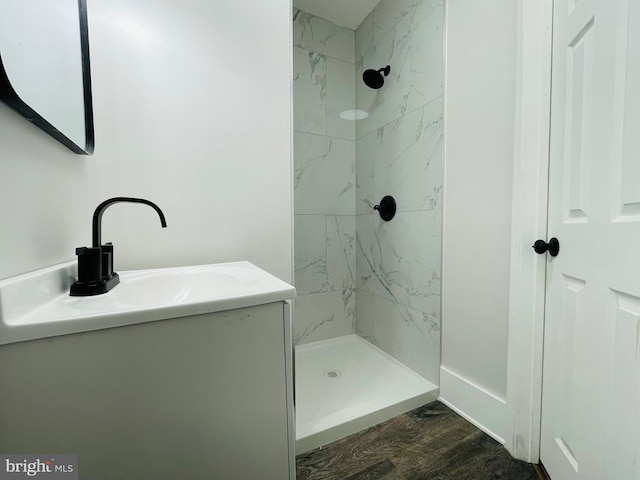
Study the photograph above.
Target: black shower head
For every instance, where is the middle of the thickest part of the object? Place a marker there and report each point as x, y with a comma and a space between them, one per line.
374, 79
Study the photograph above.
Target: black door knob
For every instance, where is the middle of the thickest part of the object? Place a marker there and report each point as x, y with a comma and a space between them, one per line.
553, 247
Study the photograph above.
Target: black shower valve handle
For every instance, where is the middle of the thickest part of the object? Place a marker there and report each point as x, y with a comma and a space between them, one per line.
386, 208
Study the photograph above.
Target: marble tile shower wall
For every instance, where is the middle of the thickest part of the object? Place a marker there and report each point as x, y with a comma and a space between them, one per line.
325, 190
399, 153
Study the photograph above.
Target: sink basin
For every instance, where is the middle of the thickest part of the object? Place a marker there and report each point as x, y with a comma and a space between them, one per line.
174, 287
38, 305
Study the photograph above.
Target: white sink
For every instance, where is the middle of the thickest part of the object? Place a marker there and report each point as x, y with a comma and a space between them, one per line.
178, 286
38, 305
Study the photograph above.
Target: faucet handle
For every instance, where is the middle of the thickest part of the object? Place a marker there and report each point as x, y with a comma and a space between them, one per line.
92, 279
89, 263
107, 260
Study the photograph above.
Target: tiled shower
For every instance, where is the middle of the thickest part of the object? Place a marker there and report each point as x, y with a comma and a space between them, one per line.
354, 272
325, 179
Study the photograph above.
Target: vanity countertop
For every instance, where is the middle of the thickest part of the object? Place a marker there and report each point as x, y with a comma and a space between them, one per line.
37, 304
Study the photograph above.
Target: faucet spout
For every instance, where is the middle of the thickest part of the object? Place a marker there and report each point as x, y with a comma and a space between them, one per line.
97, 215
95, 264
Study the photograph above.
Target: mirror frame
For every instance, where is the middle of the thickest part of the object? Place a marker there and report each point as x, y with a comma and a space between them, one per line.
9, 96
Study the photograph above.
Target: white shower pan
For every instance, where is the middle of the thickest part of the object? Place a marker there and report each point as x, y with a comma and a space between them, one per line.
346, 384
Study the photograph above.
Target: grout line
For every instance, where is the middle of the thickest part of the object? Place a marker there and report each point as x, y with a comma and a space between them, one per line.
397, 303
327, 214
325, 55
400, 117
324, 135
366, 214
357, 138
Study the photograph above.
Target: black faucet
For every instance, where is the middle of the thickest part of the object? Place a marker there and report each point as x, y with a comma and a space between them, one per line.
95, 263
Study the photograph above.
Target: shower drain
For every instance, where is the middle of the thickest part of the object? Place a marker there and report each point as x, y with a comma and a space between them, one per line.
332, 373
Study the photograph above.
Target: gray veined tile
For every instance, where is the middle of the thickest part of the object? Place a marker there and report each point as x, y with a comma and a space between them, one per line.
400, 260
426, 8
390, 101
408, 35
321, 316
365, 312
381, 260
408, 158
321, 36
393, 268
366, 195
370, 266
340, 97
388, 13
309, 92
426, 53
408, 335
424, 276
310, 253
324, 175
341, 252
364, 36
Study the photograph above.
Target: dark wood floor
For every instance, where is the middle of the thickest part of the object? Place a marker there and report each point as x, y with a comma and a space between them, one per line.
429, 443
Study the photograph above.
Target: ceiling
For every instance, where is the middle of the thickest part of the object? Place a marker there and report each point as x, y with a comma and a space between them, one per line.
347, 13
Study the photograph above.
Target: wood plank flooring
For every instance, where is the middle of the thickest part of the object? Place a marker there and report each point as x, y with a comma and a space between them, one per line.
429, 443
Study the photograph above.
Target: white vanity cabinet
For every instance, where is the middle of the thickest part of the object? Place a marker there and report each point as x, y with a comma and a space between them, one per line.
206, 396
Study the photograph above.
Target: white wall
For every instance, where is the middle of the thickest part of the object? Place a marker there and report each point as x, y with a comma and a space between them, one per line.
479, 115
192, 111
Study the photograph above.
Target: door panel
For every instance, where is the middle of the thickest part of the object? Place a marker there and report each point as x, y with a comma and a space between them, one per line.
623, 386
577, 149
573, 305
591, 378
626, 191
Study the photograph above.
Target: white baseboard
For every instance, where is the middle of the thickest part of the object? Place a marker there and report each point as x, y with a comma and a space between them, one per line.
480, 407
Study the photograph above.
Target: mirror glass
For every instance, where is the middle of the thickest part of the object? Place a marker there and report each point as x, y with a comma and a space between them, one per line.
44, 67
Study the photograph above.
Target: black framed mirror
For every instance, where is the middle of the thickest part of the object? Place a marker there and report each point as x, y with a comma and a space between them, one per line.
45, 72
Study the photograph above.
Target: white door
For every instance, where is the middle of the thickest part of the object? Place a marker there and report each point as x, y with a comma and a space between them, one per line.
591, 383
